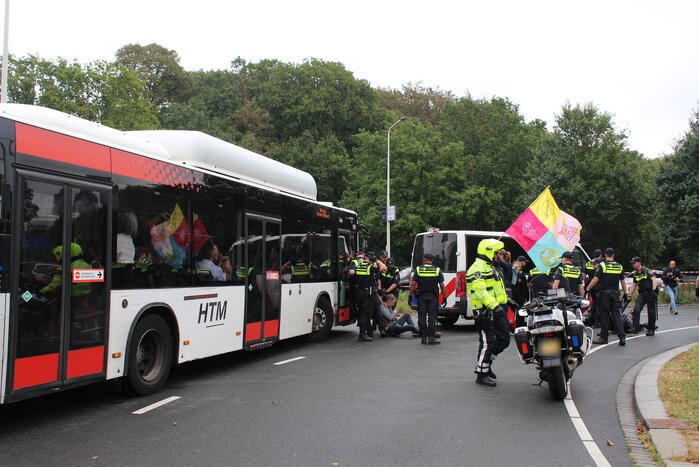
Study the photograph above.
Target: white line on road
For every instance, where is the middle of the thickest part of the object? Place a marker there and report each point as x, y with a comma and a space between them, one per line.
283, 362
148, 408
578, 422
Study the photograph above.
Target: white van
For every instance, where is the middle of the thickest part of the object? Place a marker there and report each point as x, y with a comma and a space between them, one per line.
454, 251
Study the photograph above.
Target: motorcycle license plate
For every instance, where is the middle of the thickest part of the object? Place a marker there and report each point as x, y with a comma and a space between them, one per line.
549, 347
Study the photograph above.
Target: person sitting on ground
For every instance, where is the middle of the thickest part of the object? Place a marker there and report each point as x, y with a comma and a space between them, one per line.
395, 326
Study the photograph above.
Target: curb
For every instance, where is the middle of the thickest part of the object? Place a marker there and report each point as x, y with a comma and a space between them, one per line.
668, 441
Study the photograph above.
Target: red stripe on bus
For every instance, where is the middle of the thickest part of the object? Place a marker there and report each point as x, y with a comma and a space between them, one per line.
272, 328
449, 289
32, 371
55, 146
253, 331
85, 361
152, 170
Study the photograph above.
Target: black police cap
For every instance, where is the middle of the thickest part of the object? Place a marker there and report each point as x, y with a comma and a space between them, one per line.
597, 253
636, 259
567, 254
609, 251
522, 258
429, 256
390, 262
382, 253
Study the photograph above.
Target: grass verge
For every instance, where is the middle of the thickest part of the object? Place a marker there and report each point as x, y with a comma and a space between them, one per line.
678, 384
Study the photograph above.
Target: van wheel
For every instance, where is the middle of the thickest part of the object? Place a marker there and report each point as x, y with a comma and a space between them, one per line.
448, 320
322, 320
150, 356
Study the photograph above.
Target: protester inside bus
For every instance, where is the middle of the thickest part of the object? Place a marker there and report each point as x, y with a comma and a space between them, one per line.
127, 230
209, 259
393, 325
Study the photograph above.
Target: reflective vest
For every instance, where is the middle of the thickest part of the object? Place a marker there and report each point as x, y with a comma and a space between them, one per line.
485, 286
300, 268
611, 267
427, 278
242, 273
570, 271
325, 264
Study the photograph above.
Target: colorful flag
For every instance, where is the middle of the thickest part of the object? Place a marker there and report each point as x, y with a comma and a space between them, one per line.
545, 231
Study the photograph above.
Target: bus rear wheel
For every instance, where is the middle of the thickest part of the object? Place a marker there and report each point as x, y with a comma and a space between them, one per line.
150, 356
322, 320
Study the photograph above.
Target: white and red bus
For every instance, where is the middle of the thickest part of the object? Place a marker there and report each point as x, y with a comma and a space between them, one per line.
122, 253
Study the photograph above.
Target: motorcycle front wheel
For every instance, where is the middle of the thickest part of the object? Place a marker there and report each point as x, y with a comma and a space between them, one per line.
558, 386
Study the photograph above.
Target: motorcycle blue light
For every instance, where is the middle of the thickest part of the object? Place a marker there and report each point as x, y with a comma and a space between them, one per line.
575, 341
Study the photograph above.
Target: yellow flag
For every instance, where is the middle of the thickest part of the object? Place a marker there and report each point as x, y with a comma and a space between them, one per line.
546, 209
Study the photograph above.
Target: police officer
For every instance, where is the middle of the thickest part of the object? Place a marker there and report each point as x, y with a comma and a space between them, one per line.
486, 292
389, 280
427, 279
539, 282
645, 281
568, 276
608, 277
363, 273
590, 268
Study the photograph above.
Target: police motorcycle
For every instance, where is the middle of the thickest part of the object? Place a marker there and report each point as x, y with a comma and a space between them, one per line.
552, 336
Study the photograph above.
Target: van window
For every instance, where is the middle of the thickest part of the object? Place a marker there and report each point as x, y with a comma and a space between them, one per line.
442, 245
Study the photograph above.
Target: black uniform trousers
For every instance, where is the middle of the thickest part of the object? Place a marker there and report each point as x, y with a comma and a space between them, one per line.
427, 313
593, 313
493, 338
365, 309
649, 300
608, 310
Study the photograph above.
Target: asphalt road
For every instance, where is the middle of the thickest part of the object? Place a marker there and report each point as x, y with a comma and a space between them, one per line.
390, 402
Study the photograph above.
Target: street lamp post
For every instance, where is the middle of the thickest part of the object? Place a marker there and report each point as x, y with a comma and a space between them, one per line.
388, 186
5, 63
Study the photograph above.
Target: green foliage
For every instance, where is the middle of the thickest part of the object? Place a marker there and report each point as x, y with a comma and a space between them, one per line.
597, 179
99, 91
416, 101
159, 68
678, 187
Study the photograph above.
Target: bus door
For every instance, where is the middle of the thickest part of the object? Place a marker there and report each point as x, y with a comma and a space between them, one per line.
263, 280
59, 299
345, 248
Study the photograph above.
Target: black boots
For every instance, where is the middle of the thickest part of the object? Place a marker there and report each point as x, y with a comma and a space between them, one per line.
365, 338
485, 380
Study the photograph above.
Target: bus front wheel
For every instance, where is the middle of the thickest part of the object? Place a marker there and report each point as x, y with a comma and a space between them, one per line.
322, 320
150, 356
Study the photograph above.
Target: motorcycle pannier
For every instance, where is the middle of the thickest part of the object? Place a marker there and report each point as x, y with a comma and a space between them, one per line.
576, 331
522, 338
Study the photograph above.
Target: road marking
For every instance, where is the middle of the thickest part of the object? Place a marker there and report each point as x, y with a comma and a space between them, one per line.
584, 434
283, 362
148, 408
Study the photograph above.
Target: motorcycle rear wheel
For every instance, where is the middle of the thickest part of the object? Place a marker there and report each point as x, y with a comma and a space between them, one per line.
558, 386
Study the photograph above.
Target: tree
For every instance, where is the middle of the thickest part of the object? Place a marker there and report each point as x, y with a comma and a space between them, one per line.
430, 186
99, 91
159, 68
597, 179
416, 101
678, 192
498, 146
316, 96
325, 158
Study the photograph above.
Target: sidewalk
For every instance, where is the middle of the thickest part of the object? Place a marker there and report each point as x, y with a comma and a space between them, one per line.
664, 430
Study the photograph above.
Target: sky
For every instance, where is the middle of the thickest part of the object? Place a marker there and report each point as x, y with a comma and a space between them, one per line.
637, 60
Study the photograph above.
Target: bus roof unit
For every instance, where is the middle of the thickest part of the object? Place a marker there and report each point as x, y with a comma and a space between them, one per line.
201, 150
